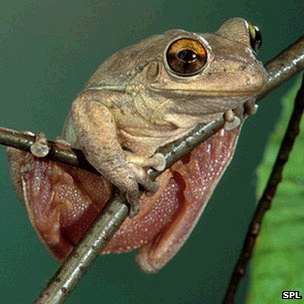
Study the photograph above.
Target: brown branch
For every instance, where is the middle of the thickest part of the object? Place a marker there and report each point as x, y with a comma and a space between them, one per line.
24, 141
116, 210
265, 201
75, 157
282, 67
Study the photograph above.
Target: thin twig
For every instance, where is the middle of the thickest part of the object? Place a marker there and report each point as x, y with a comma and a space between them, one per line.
282, 67
265, 201
109, 222
24, 141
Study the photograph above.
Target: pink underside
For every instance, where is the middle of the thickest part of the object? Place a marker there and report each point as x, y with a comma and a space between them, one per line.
62, 202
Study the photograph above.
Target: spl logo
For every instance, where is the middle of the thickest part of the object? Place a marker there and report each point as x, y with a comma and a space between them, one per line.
291, 294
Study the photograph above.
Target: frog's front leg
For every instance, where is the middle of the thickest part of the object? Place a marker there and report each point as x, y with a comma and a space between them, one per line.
96, 135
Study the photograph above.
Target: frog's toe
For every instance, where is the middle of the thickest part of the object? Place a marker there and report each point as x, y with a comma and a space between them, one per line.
231, 125
250, 107
231, 120
132, 194
145, 181
159, 161
133, 200
40, 147
229, 116
140, 177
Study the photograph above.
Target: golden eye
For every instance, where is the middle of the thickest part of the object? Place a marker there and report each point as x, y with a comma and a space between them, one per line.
255, 37
186, 56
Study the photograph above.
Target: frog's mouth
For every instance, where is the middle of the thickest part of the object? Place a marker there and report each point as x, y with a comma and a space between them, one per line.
186, 95
206, 93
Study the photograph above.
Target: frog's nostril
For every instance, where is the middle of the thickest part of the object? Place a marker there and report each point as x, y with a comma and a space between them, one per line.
153, 71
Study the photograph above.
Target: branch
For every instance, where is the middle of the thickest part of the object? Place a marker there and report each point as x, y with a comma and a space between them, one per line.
281, 68
265, 201
285, 65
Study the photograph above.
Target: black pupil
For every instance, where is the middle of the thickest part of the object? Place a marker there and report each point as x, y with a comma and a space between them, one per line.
258, 37
186, 55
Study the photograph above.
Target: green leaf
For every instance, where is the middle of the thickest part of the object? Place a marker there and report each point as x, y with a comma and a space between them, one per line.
278, 260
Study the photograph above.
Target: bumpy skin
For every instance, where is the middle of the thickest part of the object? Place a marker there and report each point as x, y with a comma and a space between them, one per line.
134, 102
63, 201
131, 106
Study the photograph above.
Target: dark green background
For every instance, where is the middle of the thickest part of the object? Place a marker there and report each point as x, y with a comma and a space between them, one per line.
48, 49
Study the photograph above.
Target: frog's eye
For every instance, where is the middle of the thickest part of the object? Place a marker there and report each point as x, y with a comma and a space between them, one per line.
186, 56
255, 37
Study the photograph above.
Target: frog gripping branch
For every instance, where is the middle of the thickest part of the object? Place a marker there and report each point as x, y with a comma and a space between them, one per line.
140, 99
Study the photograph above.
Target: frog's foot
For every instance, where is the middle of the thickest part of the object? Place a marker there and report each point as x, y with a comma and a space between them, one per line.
250, 107
157, 161
140, 177
231, 120
40, 147
136, 165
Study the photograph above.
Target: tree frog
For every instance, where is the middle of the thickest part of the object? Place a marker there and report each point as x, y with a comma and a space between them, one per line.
139, 99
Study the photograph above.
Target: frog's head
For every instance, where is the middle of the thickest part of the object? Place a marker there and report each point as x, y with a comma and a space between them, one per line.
217, 63
196, 73
204, 69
